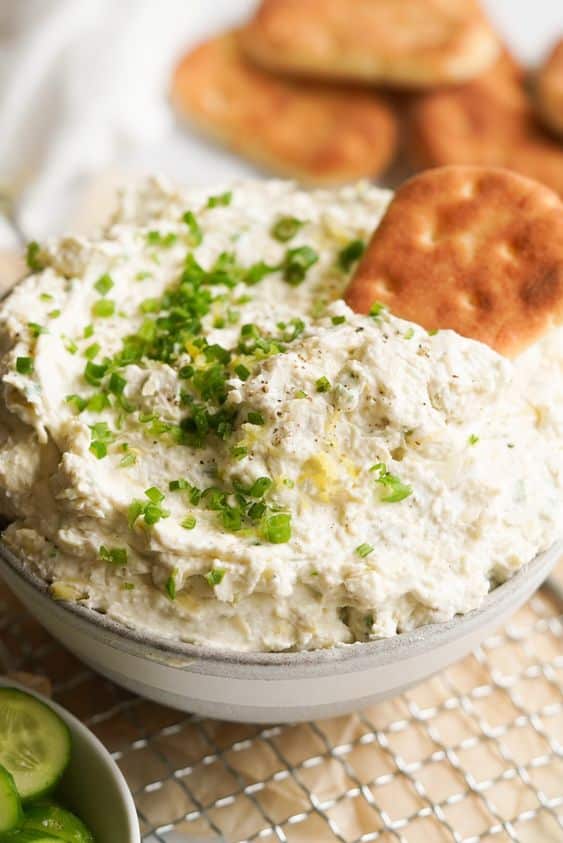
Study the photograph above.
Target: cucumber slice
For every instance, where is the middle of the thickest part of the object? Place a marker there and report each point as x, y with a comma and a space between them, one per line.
11, 813
20, 836
35, 743
51, 818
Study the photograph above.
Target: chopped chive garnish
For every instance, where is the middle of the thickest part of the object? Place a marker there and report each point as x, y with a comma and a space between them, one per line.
300, 393
128, 460
255, 273
92, 351
409, 334
54, 314
277, 528
433, 332
255, 418
260, 487
377, 310
221, 199
98, 402
286, 228
364, 550
36, 330
117, 383
473, 439
215, 576
88, 332
322, 384
155, 238
239, 452
195, 235
94, 372
189, 522
99, 449
351, 253
24, 365
77, 403
114, 555
397, 491
32, 256
296, 263
242, 372
141, 276
70, 345
154, 494
127, 586
338, 320
103, 308
104, 284
171, 584
46, 297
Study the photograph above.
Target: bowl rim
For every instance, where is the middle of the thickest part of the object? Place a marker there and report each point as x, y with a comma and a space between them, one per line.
98, 748
393, 647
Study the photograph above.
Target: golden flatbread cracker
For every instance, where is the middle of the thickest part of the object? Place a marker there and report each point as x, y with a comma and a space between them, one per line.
489, 122
405, 43
475, 249
548, 90
320, 134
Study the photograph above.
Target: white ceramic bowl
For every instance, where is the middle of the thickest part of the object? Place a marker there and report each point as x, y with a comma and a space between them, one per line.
268, 687
93, 785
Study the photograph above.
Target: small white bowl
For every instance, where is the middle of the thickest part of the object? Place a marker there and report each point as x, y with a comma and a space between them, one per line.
93, 785
268, 687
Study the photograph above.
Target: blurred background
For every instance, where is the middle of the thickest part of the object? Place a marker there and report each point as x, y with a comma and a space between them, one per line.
84, 98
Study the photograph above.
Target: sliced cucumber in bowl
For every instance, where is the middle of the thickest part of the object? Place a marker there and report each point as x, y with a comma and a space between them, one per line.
50, 818
11, 814
22, 836
35, 744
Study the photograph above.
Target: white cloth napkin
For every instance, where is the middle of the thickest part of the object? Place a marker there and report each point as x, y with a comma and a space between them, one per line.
83, 83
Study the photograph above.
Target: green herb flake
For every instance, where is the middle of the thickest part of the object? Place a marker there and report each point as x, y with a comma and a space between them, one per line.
473, 439
143, 275
24, 365
32, 257
255, 418
296, 263
221, 199
364, 550
170, 586
113, 555
215, 576
277, 528
377, 310
239, 452
351, 253
154, 494
104, 284
103, 308
300, 393
127, 586
99, 449
338, 320
397, 491
128, 460
77, 403
189, 522
285, 228
36, 330
195, 234
92, 351
242, 372
117, 383
322, 384
88, 332
98, 402
409, 334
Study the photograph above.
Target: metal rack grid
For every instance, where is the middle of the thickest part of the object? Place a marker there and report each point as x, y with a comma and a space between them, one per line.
475, 754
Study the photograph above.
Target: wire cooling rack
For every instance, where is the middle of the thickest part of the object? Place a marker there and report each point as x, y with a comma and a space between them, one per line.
474, 754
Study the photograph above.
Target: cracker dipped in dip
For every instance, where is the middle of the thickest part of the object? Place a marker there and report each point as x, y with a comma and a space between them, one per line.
202, 440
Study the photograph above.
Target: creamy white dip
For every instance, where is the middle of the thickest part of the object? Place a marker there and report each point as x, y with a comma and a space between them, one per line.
338, 478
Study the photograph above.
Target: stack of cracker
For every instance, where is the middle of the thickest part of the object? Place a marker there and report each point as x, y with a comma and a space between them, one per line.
309, 89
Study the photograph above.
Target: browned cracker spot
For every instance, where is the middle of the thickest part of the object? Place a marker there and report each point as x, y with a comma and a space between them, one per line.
549, 90
474, 249
321, 134
488, 122
408, 43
